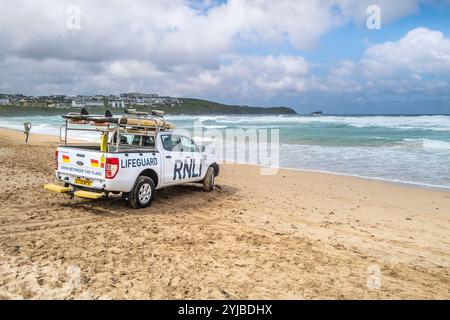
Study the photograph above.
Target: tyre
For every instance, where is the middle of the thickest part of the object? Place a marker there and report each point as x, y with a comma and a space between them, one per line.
142, 194
208, 182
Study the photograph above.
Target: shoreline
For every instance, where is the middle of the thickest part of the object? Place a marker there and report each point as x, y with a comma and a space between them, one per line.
411, 184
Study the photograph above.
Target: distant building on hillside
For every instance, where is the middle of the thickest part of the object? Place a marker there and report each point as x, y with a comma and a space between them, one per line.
79, 101
4, 101
117, 103
37, 102
94, 103
78, 104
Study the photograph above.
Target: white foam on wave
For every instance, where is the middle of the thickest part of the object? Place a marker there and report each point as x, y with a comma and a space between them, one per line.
436, 144
52, 127
432, 123
197, 118
418, 166
428, 144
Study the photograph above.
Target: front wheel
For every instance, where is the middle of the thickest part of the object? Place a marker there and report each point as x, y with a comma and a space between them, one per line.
208, 182
142, 194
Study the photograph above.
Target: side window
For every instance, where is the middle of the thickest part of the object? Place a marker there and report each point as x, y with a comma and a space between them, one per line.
126, 139
148, 141
136, 141
188, 145
172, 143
131, 140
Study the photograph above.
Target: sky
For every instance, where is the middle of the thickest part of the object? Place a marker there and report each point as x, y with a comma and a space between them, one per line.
338, 56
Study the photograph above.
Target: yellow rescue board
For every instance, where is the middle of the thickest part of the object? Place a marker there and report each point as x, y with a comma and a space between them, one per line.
55, 188
147, 123
88, 194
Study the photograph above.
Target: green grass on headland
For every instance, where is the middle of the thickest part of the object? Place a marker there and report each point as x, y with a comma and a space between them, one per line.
189, 107
197, 106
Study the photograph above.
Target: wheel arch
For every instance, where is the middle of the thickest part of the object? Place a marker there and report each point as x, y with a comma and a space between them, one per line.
152, 175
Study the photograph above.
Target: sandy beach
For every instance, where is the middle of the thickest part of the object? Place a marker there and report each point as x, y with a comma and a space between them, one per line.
294, 235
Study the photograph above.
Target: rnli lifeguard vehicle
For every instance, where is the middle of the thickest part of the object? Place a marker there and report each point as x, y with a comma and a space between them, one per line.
138, 153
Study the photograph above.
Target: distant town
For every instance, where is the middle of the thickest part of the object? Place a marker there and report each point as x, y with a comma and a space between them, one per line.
16, 103
121, 101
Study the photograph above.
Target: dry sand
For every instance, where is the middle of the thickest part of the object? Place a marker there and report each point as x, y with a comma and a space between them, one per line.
295, 235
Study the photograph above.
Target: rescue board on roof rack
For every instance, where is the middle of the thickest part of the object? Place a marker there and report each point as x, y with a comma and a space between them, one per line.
131, 118
142, 122
143, 119
85, 118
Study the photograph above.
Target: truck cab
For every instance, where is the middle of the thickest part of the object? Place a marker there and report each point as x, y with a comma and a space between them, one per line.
134, 158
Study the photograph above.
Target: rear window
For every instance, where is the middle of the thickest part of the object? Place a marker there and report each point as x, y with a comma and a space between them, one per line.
133, 140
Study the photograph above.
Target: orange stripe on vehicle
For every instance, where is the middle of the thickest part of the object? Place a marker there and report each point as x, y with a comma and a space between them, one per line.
94, 163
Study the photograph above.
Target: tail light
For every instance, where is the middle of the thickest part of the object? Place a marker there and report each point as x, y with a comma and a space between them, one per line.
56, 160
111, 167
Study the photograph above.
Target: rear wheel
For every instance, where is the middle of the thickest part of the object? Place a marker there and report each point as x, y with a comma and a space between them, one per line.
142, 194
208, 182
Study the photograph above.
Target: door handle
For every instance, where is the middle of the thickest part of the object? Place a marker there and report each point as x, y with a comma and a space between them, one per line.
169, 157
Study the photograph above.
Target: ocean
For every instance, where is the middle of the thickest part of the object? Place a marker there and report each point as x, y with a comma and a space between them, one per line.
405, 149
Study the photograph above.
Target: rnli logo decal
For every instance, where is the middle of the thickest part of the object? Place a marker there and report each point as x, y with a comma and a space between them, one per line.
186, 169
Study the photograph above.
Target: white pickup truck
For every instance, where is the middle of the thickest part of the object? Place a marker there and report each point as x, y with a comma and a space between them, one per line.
135, 157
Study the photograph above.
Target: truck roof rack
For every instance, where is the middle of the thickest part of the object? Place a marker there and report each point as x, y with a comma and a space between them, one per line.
134, 112
131, 118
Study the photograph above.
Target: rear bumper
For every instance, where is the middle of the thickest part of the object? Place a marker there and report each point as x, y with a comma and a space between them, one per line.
97, 184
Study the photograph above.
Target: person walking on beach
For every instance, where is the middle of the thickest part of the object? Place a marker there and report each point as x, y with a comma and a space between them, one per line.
27, 128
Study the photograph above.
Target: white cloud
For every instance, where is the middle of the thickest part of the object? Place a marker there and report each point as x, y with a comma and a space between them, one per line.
166, 32
189, 48
150, 44
170, 32
267, 75
244, 77
418, 62
343, 69
420, 51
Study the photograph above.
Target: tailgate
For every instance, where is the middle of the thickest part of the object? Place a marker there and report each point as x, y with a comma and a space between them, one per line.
81, 163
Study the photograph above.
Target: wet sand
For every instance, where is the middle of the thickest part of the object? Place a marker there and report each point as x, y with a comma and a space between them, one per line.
294, 235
